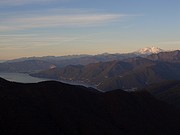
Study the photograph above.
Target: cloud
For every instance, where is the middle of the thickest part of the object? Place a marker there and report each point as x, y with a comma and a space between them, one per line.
56, 18
24, 22
23, 2
32, 40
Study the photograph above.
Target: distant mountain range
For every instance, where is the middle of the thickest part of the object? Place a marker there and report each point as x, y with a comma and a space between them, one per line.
127, 74
54, 108
149, 50
27, 66
137, 94
128, 71
84, 59
171, 56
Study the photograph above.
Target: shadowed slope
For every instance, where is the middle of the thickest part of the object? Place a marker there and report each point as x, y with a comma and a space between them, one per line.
55, 108
129, 74
168, 91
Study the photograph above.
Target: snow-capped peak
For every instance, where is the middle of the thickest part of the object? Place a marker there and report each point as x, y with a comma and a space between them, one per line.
150, 50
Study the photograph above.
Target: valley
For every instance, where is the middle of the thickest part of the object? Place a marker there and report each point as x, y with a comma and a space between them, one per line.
127, 71
89, 67
127, 74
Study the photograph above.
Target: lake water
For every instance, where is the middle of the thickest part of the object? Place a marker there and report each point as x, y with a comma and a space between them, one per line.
21, 77
25, 78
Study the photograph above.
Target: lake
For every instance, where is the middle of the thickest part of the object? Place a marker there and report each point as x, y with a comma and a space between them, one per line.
21, 77
26, 78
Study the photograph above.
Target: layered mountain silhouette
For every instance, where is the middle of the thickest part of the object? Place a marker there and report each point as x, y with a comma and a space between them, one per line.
105, 71
168, 91
150, 50
172, 56
60, 109
61, 61
27, 66
128, 74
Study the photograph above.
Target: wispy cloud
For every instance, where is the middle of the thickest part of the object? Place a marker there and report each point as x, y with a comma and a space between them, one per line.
31, 22
19, 45
56, 19
23, 2
31, 41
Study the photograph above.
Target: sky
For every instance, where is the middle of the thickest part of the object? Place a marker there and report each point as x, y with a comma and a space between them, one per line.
65, 27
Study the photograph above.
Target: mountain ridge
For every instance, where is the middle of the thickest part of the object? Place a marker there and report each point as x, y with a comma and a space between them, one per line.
149, 50
57, 108
11, 66
62, 61
146, 50
128, 74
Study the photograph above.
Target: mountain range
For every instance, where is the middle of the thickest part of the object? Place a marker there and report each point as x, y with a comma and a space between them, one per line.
26, 66
131, 94
127, 74
60, 109
128, 71
149, 50
61, 61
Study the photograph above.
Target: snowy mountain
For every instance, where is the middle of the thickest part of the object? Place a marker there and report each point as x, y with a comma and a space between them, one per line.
149, 50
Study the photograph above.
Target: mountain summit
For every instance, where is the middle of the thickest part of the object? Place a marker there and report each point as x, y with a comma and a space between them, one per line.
149, 50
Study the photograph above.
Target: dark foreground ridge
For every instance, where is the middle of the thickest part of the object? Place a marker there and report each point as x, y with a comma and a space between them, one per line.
54, 108
168, 91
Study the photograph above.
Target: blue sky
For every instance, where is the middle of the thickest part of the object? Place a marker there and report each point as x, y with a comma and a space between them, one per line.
63, 27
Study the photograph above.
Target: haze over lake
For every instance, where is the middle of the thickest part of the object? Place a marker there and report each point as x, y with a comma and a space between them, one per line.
26, 78
21, 77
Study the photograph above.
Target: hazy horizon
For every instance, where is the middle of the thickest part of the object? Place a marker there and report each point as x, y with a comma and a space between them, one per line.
69, 27
2, 60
